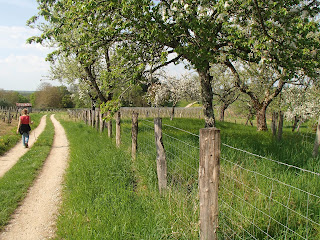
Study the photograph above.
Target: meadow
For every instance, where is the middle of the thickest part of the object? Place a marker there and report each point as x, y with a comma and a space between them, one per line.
268, 188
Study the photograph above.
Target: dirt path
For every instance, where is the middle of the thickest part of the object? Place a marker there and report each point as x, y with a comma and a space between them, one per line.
8, 160
36, 217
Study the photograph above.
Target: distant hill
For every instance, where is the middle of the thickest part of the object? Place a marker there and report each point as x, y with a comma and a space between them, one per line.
25, 93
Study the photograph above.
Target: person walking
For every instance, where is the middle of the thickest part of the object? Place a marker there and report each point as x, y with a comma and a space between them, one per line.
24, 127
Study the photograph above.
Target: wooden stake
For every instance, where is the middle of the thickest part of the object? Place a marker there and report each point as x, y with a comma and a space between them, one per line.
209, 182
134, 134
161, 155
118, 129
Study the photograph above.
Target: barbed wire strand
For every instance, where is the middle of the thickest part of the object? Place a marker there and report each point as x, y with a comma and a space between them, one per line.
281, 163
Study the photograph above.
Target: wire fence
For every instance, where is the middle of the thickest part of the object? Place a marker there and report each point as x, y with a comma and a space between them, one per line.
266, 199
259, 197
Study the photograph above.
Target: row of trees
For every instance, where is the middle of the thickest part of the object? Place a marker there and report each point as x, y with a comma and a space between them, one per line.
48, 96
107, 48
10, 98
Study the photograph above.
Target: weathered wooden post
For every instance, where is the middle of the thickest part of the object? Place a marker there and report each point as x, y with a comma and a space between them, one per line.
134, 134
9, 117
101, 121
97, 117
209, 182
109, 125
118, 129
89, 117
161, 155
316, 141
93, 112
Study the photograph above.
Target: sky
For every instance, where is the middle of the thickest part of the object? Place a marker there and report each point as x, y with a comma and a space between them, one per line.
22, 66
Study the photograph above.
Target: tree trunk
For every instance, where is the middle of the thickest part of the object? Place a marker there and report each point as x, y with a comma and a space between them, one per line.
280, 126
172, 112
316, 141
295, 123
261, 119
274, 123
207, 96
222, 110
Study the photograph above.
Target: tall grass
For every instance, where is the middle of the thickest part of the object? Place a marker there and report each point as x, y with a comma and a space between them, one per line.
101, 200
110, 196
15, 183
257, 188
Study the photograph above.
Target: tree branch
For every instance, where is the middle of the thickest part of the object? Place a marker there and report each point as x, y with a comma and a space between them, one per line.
164, 64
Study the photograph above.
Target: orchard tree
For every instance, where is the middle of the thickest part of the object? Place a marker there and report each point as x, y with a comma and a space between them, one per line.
302, 104
203, 32
208, 32
173, 89
224, 91
285, 36
95, 36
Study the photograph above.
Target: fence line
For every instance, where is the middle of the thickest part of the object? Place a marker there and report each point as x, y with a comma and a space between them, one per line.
255, 201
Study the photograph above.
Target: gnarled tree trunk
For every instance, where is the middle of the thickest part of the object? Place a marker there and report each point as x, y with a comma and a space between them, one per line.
222, 110
261, 119
207, 95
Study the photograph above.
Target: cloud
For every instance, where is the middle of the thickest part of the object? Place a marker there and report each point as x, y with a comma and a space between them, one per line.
22, 72
15, 37
24, 64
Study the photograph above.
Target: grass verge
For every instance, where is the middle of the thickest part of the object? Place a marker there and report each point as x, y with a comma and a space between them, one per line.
100, 196
109, 196
15, 183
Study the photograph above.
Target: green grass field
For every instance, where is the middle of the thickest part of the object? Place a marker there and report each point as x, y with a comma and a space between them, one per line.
110, 196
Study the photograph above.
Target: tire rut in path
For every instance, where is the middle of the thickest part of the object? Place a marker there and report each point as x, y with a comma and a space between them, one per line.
9, 159
35, 218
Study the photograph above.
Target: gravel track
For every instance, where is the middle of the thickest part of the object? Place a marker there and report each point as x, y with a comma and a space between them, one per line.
36, 217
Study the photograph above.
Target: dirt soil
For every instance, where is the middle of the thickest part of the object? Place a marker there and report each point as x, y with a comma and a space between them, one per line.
6, 127
35, 218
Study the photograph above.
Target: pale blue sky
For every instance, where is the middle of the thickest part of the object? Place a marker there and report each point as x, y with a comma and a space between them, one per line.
22, 65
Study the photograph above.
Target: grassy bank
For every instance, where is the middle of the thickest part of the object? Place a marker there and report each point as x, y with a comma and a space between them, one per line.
101, 201
10, 139
15, 183
109, 196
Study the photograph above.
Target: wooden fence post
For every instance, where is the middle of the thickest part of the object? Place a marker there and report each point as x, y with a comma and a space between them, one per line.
101, 121
134, 134
209, 169
109, 125
97, 119
89, 117
93, 112
161, 155
9, 117
118, 129
316, 141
